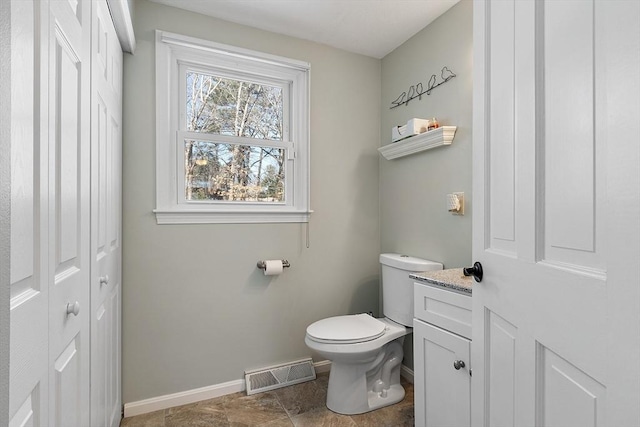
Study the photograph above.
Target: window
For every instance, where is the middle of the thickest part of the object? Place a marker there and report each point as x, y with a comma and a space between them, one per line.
232, 134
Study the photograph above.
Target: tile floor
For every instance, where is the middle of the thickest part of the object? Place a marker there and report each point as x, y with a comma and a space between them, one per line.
301, 405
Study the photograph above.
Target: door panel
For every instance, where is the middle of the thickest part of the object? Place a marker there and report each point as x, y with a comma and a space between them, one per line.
114, 413
26, 414
29, 280
67, 401
569, 125
69, 187
105, 210
68, 150
554, 290
502, 127
501, 364
574, 181
24, 133
567, 396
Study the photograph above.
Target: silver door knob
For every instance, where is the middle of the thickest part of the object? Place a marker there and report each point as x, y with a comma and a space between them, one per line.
458, 364
104, 280
73, 308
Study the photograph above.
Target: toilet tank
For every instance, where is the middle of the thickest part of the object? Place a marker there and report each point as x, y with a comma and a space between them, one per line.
397, 287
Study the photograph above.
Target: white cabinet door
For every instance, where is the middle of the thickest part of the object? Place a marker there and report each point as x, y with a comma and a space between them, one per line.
443, 393
106, 141
68, 205
556, 318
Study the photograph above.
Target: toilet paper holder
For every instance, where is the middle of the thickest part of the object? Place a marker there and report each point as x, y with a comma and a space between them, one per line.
263, 265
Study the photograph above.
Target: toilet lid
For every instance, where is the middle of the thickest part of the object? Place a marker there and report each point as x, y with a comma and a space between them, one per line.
346, 329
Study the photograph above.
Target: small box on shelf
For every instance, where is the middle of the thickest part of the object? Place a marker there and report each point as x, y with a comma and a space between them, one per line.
413, 127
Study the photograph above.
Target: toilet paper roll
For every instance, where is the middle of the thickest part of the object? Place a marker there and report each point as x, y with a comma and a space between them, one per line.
273, 267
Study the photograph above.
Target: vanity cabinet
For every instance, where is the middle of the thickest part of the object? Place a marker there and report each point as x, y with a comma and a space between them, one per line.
442, 351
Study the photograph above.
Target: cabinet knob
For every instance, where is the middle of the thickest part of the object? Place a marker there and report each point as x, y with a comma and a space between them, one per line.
104, 280
458, 364
73, 308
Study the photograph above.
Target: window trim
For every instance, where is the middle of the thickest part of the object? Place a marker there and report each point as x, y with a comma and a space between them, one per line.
173, 51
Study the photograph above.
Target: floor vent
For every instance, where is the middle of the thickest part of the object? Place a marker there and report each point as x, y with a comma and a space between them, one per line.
278, 376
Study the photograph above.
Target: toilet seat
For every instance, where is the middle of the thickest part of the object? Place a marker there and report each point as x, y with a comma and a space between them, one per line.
349, 329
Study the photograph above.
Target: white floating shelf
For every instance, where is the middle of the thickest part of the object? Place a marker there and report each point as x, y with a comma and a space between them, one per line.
414, 144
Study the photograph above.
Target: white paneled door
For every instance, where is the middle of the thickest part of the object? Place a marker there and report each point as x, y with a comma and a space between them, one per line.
65, 214
556, 317
68, 211
106, 137
29, 307
49, 361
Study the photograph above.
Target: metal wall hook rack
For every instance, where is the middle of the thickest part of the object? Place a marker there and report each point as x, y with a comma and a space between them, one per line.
416, 91
263, 265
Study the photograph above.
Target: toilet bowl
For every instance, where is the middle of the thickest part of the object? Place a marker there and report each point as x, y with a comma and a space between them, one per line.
365, 368
366, 353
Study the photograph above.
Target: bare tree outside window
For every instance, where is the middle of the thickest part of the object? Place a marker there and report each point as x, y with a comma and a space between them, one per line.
230, 171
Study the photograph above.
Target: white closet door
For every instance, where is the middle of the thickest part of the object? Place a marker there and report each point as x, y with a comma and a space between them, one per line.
29, 292
106, 137
556, 318
69, 204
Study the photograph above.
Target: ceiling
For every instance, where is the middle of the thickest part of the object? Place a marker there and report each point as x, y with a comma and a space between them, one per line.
369, 27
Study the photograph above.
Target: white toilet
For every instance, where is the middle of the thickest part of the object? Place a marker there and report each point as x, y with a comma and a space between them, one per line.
365, 352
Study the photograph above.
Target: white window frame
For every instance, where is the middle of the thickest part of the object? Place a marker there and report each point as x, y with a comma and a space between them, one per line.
174, 52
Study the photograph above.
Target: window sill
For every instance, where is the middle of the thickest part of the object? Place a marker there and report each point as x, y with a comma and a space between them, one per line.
229, 217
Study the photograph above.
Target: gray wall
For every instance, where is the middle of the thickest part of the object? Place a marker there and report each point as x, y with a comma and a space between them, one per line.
5, 204
413, 215
196, 311
131, 7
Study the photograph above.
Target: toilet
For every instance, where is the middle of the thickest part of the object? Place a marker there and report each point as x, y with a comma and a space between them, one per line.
366, 353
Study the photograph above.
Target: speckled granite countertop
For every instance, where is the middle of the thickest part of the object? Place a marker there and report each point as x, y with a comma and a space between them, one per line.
452, 278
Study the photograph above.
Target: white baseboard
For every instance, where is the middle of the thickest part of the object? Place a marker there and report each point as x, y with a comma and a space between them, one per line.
182, 398
322, 366
406, 373
196, 395
191, 396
